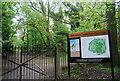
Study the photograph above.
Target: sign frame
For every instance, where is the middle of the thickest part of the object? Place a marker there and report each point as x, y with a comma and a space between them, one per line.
89, 60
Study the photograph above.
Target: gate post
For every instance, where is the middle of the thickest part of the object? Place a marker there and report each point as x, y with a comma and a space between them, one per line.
57, 64
21, 63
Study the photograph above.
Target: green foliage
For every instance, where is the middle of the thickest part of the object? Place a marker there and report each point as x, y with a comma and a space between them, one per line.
93, 16
86, 16
60, 27
36, 28
18, 42
35, 25
72, 14
7, 15
75, 70
116, 68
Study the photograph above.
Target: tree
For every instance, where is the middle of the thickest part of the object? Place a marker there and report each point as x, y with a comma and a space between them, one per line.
73, 14
7, 15
111, 24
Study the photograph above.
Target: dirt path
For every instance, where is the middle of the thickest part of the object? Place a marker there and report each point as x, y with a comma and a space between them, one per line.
96, 73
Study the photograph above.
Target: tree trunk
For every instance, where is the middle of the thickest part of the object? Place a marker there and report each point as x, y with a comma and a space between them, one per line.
118, 25
48, 38
111, 25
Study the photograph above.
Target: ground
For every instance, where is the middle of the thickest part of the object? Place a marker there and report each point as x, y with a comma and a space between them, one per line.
91, 71
45, 65
95, 73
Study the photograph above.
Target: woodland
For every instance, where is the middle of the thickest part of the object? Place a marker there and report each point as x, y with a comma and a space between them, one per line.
47, 23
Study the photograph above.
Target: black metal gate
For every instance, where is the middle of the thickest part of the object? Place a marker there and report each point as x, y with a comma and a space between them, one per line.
28, 62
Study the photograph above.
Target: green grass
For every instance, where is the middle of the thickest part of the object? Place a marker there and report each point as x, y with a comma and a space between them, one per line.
116, 69
74, 73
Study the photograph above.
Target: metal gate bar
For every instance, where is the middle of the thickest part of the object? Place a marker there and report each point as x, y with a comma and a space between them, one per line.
23, 63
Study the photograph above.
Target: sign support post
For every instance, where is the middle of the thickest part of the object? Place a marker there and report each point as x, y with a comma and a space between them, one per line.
68, 57
112, 71
112, 66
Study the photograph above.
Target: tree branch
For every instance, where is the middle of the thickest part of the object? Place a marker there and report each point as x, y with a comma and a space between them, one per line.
42, 7
51, 15
38, 31
16, 29
34, 7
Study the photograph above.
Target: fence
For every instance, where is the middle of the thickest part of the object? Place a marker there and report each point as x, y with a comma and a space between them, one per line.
34, 62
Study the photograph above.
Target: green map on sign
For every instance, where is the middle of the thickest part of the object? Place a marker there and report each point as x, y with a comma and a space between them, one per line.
97, 46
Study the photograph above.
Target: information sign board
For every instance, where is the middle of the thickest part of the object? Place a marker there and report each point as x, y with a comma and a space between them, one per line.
91, 46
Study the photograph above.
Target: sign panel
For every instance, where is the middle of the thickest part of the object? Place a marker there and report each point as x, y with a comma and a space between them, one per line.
92, 46
95, 47
74, 48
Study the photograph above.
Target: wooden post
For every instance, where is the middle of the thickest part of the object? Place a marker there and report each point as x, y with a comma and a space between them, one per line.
57, 63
